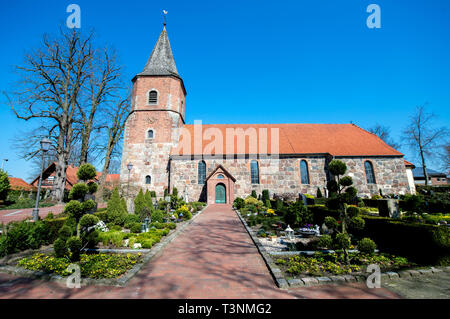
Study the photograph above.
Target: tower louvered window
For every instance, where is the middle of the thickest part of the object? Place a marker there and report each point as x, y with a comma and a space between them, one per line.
153, 97
254, 172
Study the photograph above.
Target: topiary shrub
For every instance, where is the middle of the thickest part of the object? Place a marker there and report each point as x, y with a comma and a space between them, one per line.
88, 220
86, 172
238, 203
92, 187
366, 246
356, 223
60, 248
74, 209
254, 194
352, 211
74, 245
78, 191
331, 222
342, 241
116, 212
265, 195
325, 241
65, 233
319, 193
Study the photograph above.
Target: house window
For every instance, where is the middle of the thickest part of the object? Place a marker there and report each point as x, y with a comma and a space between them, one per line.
153, 97
148, 179
150, 134
304, 174
201, 172
254, 172
370, 176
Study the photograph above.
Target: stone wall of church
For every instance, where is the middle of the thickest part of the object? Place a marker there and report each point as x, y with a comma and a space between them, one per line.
284, 177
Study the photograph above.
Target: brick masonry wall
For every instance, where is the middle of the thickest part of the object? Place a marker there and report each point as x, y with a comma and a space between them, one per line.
151, 156
390, 175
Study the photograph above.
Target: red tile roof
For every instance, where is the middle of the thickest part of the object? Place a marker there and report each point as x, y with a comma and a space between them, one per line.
334, 139
19, 184
409, 164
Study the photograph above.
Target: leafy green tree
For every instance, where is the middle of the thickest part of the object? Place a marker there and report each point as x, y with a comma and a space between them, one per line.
4, 184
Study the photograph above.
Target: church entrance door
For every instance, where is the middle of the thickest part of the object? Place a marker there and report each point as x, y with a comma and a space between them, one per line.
220, 194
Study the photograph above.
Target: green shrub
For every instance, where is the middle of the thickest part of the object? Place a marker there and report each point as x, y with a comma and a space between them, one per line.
356, 223
78, 191
92, 187
297, 214
352, 211
157, 216
91, 239
366, 246
102, 215
320, 212
238, 203
60, 248
54, 226
88, 206
254, 194
325, 241
331, 222
342, 241
74, 246
4, 184
86, 172
88, 220
74, 209
65, 233
265, 196
319, 193
116, 213
136, 228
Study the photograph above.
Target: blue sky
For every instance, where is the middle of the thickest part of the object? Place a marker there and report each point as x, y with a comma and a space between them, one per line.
262, 61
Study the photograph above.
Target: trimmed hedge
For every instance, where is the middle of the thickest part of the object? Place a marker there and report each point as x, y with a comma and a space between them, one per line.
421, 243
54, 225
320, 212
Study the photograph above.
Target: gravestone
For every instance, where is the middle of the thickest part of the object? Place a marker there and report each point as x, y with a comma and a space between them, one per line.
388, 208
304, 199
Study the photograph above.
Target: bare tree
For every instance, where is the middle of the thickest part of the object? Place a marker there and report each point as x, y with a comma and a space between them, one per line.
445, 157
50, 82
384, 133
104, 83
116, 118
423, 137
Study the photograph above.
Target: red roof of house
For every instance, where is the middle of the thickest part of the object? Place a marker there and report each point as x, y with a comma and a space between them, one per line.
334, 139
18, 184
409, 164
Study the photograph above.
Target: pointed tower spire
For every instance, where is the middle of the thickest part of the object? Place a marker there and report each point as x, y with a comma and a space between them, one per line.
161, 60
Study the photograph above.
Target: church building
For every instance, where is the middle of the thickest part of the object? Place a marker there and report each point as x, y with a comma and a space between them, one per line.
216, 163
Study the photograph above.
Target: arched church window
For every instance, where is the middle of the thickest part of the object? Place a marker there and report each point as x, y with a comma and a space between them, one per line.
304, 174
150, 134
370, 175
148, 179
220, 176
153, 97
254, 172
201, 172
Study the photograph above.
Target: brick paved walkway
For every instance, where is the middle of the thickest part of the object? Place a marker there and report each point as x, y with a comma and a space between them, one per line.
213, 258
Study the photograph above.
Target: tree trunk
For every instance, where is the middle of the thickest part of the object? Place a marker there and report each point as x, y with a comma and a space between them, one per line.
105, 171
424, 167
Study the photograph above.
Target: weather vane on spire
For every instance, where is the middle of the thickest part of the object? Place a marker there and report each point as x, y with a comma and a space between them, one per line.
165, 13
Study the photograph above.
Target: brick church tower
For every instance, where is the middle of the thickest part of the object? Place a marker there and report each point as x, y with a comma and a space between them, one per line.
153, 127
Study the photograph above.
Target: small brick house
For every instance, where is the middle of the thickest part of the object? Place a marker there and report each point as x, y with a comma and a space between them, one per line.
216, 163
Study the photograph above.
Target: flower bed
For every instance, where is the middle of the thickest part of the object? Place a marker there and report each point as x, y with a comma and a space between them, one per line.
91, 265
146, 240
321, 264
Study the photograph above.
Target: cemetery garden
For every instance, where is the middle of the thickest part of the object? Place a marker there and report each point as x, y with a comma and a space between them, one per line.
343, 234
104, 242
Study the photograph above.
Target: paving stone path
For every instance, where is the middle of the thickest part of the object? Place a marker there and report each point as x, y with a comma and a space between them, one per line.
213, 258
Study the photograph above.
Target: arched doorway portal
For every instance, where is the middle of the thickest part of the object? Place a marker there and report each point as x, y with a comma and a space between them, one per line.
220, 194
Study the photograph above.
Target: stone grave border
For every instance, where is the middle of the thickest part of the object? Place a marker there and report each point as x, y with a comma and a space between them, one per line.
148, 255
308, 281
